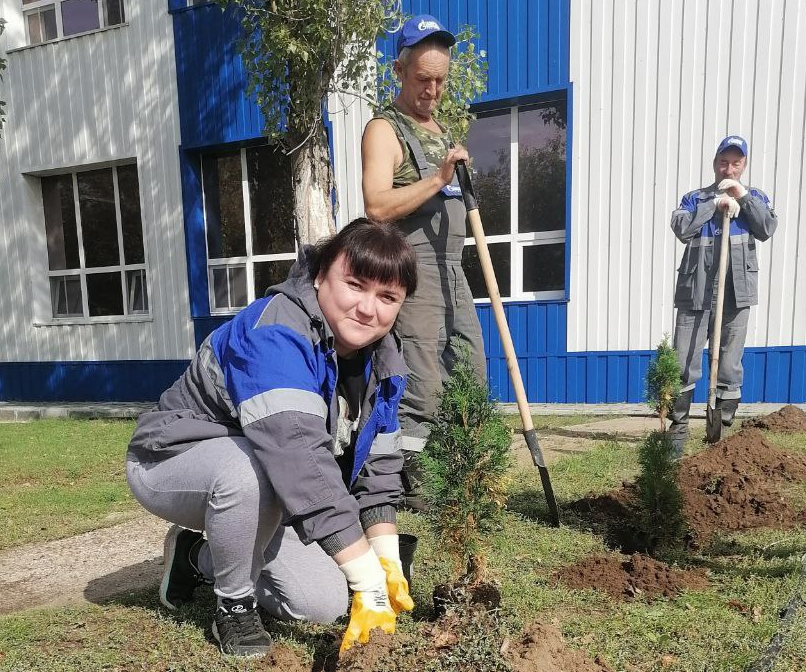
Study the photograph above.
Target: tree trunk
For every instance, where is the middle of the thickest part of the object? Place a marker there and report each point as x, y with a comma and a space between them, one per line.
313, 180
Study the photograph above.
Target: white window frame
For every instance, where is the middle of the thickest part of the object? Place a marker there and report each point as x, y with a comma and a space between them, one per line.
82, 272
39, 5
233, 262
517, 240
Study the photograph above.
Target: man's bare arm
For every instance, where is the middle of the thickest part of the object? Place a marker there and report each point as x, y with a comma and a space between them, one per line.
381, 154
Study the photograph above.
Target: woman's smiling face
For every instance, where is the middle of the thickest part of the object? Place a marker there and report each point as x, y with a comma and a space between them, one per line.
359, 311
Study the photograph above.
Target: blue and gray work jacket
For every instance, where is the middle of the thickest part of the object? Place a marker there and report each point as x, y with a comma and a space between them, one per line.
698, 224
270, 375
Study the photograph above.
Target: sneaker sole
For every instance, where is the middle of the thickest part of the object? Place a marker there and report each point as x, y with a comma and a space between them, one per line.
168, 552
256, 654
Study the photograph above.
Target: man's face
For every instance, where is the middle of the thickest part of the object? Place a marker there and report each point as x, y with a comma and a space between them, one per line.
422, 79
730, 164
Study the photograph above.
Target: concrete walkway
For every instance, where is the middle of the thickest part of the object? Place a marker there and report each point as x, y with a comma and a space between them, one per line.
12, 411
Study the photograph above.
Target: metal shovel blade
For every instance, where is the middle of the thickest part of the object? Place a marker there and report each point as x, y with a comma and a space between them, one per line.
713, 424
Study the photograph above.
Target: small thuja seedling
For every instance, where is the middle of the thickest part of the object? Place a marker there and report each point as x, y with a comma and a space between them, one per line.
465, 464
661, 501
663, 380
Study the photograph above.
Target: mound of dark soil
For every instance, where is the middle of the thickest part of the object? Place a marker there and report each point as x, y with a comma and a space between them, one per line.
733, 485
542, 648
637, 576
787, 419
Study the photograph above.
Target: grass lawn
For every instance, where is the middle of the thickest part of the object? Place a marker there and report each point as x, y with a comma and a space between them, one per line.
59, 478
722, 629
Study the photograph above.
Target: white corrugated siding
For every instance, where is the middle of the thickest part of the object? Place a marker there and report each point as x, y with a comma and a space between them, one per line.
100, 97
657, 84
348, 114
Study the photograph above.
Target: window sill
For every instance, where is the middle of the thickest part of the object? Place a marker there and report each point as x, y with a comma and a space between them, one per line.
59, 40
85, 321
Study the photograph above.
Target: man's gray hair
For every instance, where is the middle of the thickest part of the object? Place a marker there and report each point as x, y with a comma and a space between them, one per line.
405, 52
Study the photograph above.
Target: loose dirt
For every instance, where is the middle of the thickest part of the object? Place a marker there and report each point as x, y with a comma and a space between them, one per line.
733, 485
639, 575
474, 636
542, 648
788, 419
736, 485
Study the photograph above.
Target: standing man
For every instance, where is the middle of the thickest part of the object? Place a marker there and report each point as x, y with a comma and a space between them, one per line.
697, 223
409, 178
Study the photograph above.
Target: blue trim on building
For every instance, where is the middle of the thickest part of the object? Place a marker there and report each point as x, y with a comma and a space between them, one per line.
88, 381
775, 374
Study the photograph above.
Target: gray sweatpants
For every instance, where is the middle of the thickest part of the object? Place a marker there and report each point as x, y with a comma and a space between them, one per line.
693, 328
218, 486
440, 309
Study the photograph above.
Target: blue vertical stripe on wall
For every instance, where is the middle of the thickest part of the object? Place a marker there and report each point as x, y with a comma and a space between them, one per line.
527, 41
211, 79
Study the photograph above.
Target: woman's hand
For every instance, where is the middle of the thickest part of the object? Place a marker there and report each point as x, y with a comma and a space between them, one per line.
371, 608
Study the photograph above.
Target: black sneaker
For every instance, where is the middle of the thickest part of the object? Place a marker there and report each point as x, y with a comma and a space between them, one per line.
181, 575
238, 629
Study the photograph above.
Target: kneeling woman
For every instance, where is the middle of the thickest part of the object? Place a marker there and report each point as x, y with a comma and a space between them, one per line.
283, 431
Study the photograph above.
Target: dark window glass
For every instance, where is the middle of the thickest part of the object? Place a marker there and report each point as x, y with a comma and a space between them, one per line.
79, 16
544, 267
42, 25
271, 200
488, 143
99, 228
65, 296
499, 255
268, 273
113, 12
131, 222
223, 198
137, 291
104, 294
229, 287
541, 168
60, 222
49, 24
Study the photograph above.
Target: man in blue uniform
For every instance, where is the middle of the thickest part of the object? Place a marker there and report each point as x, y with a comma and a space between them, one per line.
698, 222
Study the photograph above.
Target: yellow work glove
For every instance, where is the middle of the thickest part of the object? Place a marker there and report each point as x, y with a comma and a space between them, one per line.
370, 608
388, 551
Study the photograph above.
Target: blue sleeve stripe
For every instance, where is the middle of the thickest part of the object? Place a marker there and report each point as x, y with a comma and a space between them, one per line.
689, 203
279, 400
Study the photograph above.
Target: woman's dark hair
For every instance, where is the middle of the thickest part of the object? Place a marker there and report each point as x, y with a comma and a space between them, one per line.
373, 251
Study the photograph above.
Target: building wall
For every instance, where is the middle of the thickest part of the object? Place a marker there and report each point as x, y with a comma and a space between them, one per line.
658, 84
90, 100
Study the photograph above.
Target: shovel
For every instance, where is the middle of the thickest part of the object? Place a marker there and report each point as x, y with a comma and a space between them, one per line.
713, 417
529, 433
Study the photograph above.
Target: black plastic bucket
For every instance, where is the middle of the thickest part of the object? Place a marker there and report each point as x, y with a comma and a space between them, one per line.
408, 545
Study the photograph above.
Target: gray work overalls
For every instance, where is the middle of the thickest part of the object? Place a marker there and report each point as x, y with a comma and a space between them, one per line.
441, 308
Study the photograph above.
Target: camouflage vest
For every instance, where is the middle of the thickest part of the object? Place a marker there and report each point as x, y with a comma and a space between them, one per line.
437, 228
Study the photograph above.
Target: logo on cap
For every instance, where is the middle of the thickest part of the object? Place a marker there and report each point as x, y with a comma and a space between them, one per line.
734, 141
426, 25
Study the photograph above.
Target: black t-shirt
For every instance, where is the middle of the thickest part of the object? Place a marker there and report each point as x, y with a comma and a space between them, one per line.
350, 388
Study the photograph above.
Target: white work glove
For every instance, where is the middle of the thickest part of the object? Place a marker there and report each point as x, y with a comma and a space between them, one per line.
387, 549
729, 204
732, 188
370, 609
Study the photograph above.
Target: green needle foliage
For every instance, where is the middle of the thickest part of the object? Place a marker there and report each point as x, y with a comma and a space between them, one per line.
465, 464
663, 380
661, 502
467, 80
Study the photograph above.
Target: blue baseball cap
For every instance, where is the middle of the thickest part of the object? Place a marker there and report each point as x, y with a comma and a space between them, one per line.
732, 141
419, 27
